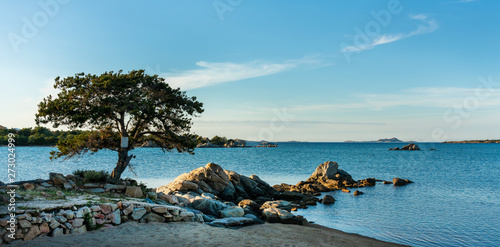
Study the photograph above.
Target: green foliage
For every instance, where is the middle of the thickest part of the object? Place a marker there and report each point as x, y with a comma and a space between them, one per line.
38, 136
92, 176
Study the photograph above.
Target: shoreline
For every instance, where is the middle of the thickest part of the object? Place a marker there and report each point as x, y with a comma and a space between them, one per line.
196, 234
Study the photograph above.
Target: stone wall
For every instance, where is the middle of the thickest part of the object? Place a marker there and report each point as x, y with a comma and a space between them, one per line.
59, 221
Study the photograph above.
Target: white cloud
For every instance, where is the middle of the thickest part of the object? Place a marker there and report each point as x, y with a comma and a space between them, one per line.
428, 26
210, 73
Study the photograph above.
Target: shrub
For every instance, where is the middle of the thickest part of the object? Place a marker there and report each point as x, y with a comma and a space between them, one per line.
92, 176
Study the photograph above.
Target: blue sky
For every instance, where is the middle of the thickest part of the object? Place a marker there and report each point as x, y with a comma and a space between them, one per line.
274, 70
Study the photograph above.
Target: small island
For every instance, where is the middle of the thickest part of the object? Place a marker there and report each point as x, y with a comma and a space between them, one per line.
386, 140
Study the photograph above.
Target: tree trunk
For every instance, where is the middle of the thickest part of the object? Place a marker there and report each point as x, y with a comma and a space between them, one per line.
123, 162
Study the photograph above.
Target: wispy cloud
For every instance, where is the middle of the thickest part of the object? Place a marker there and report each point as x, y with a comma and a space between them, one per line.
210, 73
427, 26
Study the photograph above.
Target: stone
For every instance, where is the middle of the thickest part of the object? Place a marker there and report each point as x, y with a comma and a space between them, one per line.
208, 206
92, 185
290, 196
69, 214
137, 213
114, 217
33, 233
61, 219
79, 230
346, 191
28, 186
276, 215
247, 203
53, 223
235, 211
95, 208
328, 199
45, 184
232, 222
96, 190
44, 228
24, 224
400, 181
325, 171
152, 217
57, 232
77, 222
82, 212
281, 204
387, 182
410, 147
357, 193
57, 178
67, 186
152, 196
134, 191
160, 210
368, 182
68, 225
106, 208
71, 183
172, 199
60, 194
128, 209
115, 187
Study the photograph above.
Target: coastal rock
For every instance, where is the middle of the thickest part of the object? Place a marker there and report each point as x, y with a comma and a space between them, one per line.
247, 203
400, 181
276, 215
152, 217
328, 199
57, 232
33, 233
410, 147
128, 209
57, 178
234, 211
137, 213
368, 182
114, 217
28, 186
208, 206
281, 204
357, 193
324, 171
233, 222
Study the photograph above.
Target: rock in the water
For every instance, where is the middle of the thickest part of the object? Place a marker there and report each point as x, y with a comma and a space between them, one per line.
357, 193
134, 191
235, 211
387, 182
328, 199
368, 182
410, 147
325, 171
400, 181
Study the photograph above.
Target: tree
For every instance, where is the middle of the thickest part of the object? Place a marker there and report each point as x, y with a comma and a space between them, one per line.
117, 106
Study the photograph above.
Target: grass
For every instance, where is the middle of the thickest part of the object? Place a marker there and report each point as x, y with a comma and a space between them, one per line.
91, 176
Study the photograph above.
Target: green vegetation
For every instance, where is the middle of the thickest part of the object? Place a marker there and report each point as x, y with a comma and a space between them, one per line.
476, 141
38, 136
91, 176
122, 111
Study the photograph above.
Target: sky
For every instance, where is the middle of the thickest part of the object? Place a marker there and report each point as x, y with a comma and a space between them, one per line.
274, 70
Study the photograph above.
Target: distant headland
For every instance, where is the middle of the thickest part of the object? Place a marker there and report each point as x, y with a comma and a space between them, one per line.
475, 141
394, 139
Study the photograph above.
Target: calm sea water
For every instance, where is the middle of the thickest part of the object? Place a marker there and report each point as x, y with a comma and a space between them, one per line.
455, 200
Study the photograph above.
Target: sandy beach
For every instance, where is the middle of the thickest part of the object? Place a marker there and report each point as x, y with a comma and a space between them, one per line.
196, 234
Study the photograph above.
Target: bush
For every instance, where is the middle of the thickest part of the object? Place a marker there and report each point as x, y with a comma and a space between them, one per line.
91, 176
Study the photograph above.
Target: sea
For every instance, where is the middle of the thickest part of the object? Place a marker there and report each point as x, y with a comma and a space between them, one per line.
454, 200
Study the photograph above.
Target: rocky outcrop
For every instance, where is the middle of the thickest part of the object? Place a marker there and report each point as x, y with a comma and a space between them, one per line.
410, 147
328, 199
400, 181
326, 177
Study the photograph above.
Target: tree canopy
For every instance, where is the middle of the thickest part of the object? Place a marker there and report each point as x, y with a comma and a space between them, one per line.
113, 106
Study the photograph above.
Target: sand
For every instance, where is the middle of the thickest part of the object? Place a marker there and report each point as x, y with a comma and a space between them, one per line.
196, 234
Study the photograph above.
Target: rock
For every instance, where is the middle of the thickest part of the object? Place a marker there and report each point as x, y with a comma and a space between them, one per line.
357, 193
24, 224
247, 203
346, 191
45, 184
57, 232
128, 209
61, 219
410, 147
233, 222
276, 215
69, 214
57, 178
67, 186
105, 208
208, 206
168, 198
53, 223
285, 205
60, 194
152, 196
160, 210
134, 191
328, 199
44, 228
33, 233
152, 217
290, 196
96, 190
368, 182
82, 212
400, 181
92, 185
234, 211
387, 182
115, 187
114, 217
28, 186
78, 222
325, 171
79, 230
95, 208
137, 213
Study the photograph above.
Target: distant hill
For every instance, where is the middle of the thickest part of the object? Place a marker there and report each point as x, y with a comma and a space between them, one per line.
394, 139
475, 141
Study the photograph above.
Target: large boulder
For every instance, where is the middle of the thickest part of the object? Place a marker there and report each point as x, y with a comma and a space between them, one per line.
277, 215
410, 147
57, 178
235, 211
285, 205
328, 199
400, 181
325, 171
